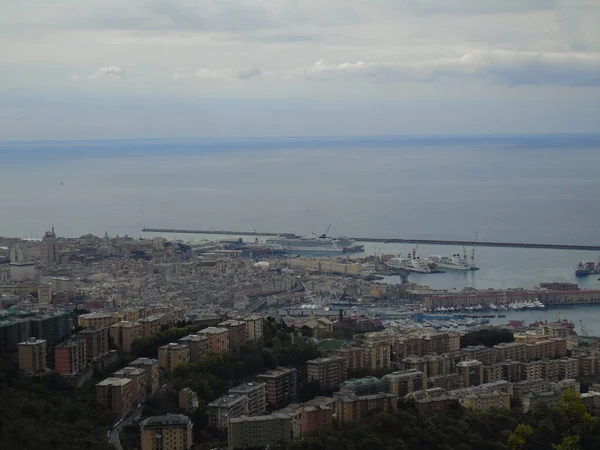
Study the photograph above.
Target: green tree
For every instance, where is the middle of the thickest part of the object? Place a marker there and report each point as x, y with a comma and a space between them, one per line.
517, 439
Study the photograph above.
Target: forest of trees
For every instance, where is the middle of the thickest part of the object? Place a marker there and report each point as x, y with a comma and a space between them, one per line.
43, 413
487, 337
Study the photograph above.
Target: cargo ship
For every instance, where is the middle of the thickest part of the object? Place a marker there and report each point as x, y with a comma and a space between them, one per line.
588, 268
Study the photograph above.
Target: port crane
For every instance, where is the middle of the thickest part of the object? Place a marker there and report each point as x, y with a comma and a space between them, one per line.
583, 330
473, 266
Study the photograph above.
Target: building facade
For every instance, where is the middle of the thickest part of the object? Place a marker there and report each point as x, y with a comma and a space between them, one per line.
273, 430
329, 372
70, 357
169, 432
172, 355
281, 384
32, 356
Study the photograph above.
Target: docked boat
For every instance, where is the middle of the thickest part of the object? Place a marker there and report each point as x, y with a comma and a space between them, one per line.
409, 263
588, 268
454, 262
316, 244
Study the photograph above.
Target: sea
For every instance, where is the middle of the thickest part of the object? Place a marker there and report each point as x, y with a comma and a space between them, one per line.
525, 188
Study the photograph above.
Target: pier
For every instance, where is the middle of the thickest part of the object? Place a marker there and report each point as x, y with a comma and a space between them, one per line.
593, 248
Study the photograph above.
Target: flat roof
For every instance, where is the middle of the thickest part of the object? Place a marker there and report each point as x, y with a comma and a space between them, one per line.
113, 381
166, 420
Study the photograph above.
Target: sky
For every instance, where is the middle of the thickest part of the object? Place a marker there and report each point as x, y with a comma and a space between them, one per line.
104, 69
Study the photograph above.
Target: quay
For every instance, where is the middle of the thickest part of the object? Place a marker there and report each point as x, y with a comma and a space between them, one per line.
593, 248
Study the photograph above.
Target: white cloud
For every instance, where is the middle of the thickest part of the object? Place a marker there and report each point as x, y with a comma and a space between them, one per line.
179, 75
204, 74
501, 67
109, 72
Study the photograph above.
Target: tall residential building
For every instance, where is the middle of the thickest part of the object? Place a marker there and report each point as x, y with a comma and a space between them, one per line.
49, 249
138, 382
44, 292
115, 394
405, 382
32, 356
96, 320
96, 342
351, 408
151, 367
274, 430
226, 407
188, 400
124, 334
329, 372
218, 338
172, 355
22, 271
198, 346
355, 357
484, 401
238, 333
362, 386
170, 432
255, 328
471, 372
20, 253
377, 354
70, 357
152, 324
282, 385
257, 396
12, 332
53, 327
510, 351
308, 419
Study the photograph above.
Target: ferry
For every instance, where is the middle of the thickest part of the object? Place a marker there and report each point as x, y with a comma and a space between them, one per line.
314, 243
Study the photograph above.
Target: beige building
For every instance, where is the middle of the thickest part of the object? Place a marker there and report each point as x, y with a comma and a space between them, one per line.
70, 357
49, 253
188, 400
170, 432
172, 355
255, 328
96, 342
125, 333
282, 385
354, 355
151, 325
471, 372
198, 346
483, 402
115, 394
151, 367
377, 354
32, 356
257, 396
238, 333
96, 320
138, 380
44, 292
351, 408
329, 372
403, 383
510, 351
226, 407
273, 430
218, 338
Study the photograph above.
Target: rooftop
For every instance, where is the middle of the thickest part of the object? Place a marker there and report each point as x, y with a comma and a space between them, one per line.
144, 362
213, 330
166, 421
247, 387
274, 416
113, 381
194, 337
228, 400
360, 382
277, 372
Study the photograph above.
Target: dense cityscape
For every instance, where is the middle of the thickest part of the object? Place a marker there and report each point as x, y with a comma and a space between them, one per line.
228, 344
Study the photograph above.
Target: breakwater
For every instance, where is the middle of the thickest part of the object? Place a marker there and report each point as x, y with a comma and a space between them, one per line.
594, 248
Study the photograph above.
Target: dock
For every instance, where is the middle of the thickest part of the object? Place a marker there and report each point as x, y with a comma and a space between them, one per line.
593, 248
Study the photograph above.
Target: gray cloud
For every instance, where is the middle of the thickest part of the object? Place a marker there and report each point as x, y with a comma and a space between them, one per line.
247, 74
109, 72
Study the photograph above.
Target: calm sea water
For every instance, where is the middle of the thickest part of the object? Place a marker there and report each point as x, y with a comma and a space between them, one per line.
523, 188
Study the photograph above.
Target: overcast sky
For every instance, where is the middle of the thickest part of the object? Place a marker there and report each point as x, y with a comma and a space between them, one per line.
87, 69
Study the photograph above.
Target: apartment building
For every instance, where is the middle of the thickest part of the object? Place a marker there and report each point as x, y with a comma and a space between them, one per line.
138, 382
471, 372
256, 392
188, 399
329, 372
172, 355
441, 342
533, 400
12, 332
362, 386
96, 342
377, 354
500, 386
218, 338
255, 328
125, 333
226, 407
478, 352
32, 356
568, 368
447, 382
115, 394
282, 385
492, 372
512, 371
351, 408
238, 333
540, 350
404, 382
152, 324
151, 367
96, 320
484, 401
198, 346
53, 327
522, 388
354, 355
510, 351
169, 432
70, 357
273, 430
308, 419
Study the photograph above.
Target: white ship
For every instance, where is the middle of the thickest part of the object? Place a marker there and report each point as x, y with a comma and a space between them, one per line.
409, 263
314, 243
454, 262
